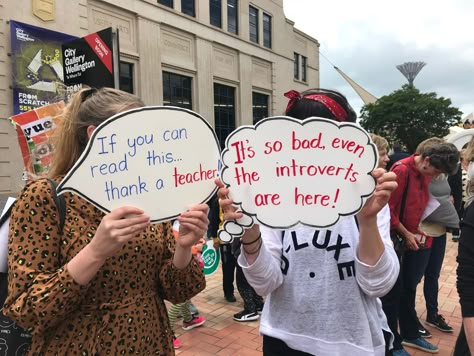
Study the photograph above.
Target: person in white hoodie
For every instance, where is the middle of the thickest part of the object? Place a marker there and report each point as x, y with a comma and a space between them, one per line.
322, 285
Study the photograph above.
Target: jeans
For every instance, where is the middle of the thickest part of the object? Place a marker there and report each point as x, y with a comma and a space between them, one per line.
390, 306
228, 269
412, 269
433, 269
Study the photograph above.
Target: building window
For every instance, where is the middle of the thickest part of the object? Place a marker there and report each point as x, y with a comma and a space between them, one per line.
259, 106
215, 12
296, 67
253, 24
177, 90
126, 77
188, 7
267, 30
168, 3
224, 111
232, 17
303, 68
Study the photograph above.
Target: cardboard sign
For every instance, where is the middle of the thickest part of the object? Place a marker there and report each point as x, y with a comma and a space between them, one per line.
37, 66
89, 60
34, 129
284, 171
160, 159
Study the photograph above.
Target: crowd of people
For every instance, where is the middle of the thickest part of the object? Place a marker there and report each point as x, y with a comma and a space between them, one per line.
92, 286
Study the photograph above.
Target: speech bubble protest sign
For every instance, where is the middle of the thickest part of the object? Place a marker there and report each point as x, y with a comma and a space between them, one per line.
284, 171
160, 159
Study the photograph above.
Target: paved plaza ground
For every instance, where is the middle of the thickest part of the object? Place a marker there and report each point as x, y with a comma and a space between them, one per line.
221, 335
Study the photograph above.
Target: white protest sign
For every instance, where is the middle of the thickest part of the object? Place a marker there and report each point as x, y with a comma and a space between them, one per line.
284, 171
160, 159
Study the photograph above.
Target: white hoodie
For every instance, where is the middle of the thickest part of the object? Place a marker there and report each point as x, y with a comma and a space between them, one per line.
320, 298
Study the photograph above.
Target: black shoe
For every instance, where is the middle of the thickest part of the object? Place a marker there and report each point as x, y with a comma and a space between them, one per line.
246, 315
260, 308
439, 322
230, 298
423, 332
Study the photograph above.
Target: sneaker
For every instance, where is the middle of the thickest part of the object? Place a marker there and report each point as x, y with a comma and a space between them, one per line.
440, 323
421, 344
176, 343
230, 298
194, 323
193, 310
423, 332
401, 352
260, 309
246, 315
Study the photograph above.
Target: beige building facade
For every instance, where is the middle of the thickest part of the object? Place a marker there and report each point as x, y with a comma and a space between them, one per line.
229, 60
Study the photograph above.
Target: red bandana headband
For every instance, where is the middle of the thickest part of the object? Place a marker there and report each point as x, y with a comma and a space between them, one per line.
332, 105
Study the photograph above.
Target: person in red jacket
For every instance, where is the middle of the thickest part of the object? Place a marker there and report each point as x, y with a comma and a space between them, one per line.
407, 205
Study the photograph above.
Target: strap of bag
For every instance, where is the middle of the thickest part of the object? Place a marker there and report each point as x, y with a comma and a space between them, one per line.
4, 218
60, 203
404, 196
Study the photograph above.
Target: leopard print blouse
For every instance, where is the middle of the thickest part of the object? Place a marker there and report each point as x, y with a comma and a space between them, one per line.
121, 311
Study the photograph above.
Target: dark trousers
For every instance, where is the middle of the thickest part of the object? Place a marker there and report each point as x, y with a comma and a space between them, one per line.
228, 269
386, 336
432, 272
390, 306
276, 347
461, 348
252, 301
412, 269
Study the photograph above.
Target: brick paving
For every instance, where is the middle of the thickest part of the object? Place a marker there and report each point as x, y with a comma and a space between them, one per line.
221, 335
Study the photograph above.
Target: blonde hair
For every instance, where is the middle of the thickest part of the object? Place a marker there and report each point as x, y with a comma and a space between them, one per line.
88, 107
380, 142
469, 151
428, 143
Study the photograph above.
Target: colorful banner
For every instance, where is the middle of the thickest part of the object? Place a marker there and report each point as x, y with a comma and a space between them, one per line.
89, 61
37, 66
34, 128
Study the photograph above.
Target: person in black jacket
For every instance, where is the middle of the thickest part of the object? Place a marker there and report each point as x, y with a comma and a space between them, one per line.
397, 155
465, 283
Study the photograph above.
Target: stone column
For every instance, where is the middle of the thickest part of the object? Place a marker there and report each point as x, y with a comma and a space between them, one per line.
150, 74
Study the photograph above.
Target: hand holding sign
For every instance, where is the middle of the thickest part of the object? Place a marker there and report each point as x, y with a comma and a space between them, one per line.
159, 159
283, 171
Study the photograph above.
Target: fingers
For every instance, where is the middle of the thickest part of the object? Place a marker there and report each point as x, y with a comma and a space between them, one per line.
195, 218
125, 221
124, 211
222, 192
386, 181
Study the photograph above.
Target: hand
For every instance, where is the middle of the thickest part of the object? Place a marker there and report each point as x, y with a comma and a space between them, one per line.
386, 184
411, 242
228, 209
116, 228
230, 212
193, 225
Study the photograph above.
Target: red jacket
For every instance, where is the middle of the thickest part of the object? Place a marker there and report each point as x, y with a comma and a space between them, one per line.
417, 195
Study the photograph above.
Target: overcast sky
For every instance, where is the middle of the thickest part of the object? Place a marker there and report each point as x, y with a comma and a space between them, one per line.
366, 39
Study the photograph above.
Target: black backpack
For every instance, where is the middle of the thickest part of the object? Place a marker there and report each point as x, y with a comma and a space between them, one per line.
13, 339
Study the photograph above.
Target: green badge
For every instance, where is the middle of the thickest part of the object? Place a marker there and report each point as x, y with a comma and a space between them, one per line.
211, 258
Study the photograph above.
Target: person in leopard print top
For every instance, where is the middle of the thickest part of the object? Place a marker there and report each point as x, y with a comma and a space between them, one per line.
98, 287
